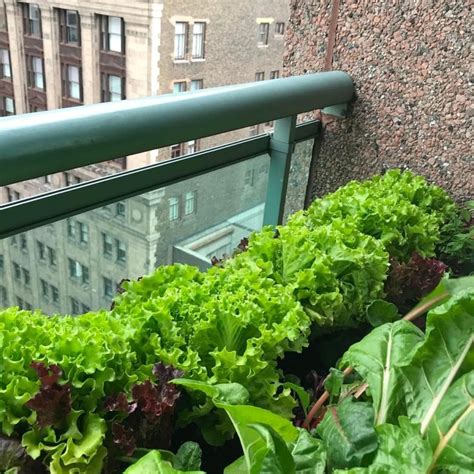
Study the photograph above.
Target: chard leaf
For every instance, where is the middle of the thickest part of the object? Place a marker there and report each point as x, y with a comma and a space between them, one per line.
239, 466
380, 312
451, 433
445, 354
231, 393
275, 455
188, 457
302, 394
309, 454
401, 450
153, 462
378, 357
348, 433
334, 381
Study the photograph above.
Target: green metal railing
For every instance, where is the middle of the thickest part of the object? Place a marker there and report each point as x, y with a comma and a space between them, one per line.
35, 145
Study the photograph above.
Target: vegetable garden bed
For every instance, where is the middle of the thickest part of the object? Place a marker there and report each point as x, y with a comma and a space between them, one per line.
290, 357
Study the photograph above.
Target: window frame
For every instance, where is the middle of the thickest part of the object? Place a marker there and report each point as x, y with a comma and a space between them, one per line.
180, 41
198, 48
67, 83
106, 94
173, 208
263, 33
5, 64
29, 21
280, 25
190, 197
32, 74
105, 34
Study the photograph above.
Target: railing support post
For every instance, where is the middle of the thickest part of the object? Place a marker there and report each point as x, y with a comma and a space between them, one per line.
281, 148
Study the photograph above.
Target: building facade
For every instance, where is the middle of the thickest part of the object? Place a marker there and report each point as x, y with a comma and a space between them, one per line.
69, 53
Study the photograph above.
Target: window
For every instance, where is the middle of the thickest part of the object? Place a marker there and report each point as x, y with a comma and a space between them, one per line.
23, 304
179, 87
259, 76
3, 295
113, 88
173, 208
192, 146
35, 75
263, 29
47, 179
107, 245
108, 287
41, 250
67, 179
197, 84
112, 37
13, 241
7, 106
176, 150
199, 33
280, 28
190, 203
71, 228
32, 20
16, 271
5, 68
83, 233
26, 276
75, 307
249, 177
274, 74
72, 82
44, 289
121, 249
180, 34
54, 294
12, 195
85, 308
120, 209
78, 271
23, 243
52, 257
69, 27
2, 263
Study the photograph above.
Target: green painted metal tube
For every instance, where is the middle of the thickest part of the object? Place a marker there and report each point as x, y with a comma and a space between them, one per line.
38, 144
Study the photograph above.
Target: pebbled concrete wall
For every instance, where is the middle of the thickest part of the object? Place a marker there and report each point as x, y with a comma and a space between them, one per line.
412, 62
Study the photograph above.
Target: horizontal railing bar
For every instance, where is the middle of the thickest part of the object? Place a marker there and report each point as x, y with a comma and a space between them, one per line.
307, 130
43, 143
35, 211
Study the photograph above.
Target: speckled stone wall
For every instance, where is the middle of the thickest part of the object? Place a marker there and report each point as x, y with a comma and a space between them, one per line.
413, 67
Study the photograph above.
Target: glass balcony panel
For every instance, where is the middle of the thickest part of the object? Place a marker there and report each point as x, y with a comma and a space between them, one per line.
75, 264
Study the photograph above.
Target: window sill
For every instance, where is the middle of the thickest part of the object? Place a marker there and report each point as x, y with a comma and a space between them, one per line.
181, 61
262, 46
198, 60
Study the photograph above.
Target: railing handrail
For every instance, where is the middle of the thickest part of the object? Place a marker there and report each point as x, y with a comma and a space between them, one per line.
34, 145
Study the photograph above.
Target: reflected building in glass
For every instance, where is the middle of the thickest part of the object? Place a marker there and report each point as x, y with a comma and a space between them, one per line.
65, 54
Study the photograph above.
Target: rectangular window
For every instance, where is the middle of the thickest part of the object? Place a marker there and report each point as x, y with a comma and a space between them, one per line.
85, 309
12, 195
263, 29
121, 251
249, 177
7, 106
72, 82
197, 84
35, 75
173, 208
44, 288
41, 250
179, 87
113, 88
176, 150
192, 146
2, 263
31, 19
274, 74
69, 27
54, 294
190, 203
47, 179
280, 29
3, 296
71, 228
108, 287
259, 76
5, 68
16, 271
23, 243
83, 233
78, 271
180, 34
67, 179
107, 245
199, 34
112, 34
75, 307
52, 257
26, 276
120, 209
